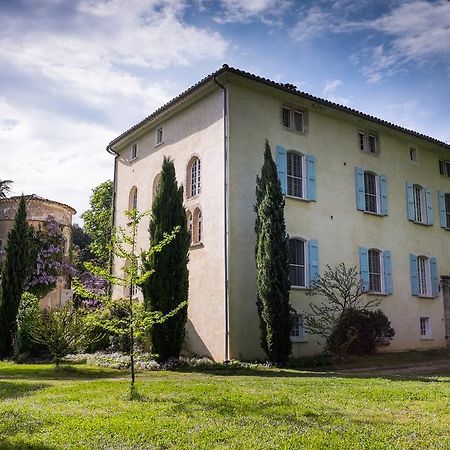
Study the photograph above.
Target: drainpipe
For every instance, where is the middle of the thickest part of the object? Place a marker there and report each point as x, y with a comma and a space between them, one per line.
225, 216
113, 209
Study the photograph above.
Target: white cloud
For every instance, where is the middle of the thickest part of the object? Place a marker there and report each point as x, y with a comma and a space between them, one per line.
331, 86
266, 11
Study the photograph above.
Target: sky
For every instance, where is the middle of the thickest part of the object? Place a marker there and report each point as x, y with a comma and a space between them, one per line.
74, 74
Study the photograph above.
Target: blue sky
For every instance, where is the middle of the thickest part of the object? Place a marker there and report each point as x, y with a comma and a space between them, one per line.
76, 73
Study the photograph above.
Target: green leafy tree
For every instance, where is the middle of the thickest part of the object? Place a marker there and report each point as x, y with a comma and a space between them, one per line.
166, 291
98, 222
17, 265
27, 318
5, 186
272, 265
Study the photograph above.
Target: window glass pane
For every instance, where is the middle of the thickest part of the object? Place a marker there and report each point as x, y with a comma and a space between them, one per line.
286, 112
372, 144
422, 264
295, 174
441, 167
447, 209
195, 177
362, 141
298, 120
370, 189
297, 262
418, 203
374, 271
297, 330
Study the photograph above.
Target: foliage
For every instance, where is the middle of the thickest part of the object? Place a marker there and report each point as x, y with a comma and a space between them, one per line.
272, 267
169, 289
89, 290
359, 332
4, 187
15, 271
343, 289
27, 318
98, 222
63, 330
80, 247
50, 260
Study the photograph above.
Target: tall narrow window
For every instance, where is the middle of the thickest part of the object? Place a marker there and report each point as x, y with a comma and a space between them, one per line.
189, 223
194, 177
425, 328
372, 144
133, 198
299, 121
419, 203
371, 192
134, 151
375, 272
298, 328
286, 116
156, 185
362, 140
447, 209
159, 135
423, 266
297, 263
295, 176
197, 232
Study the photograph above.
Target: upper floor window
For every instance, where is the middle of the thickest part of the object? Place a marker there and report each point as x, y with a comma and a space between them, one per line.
371, 192
297, 173
194, 177
303, 262
134, 151
156, 185
419, 204
424, 276
376, 270
412, 154
133, 198
293, 118
444, 167
159, 136
444, 209
368, 142
197, 231
298, 328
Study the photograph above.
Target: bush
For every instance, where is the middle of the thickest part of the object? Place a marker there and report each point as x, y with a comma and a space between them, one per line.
360, 332
27, 318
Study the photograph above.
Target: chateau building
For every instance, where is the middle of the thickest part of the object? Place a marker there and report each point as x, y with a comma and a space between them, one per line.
358, 190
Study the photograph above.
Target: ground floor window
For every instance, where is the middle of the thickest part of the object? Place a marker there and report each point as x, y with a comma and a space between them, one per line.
298, 328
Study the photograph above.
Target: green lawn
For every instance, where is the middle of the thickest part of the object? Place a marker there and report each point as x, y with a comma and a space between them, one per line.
84, 407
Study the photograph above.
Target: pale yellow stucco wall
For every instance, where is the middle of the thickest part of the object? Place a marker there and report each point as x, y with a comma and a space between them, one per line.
194, 131
333, 218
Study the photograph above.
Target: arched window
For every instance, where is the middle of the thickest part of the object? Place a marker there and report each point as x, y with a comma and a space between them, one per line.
295, 174
297, 262
132, 200
156, 185
375, 270
194, 177
189, 222
198, 227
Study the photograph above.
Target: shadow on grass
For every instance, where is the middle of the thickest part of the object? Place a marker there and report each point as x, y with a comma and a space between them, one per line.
8, 445
65, 372
14, 389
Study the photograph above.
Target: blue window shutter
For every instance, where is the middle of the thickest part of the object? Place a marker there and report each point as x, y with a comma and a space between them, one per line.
410, 201
282, 167
442, 210
383, 195
364, 266
429, 203
311, 174
413, 269
360, 197
434, 277
387, 263
313, 250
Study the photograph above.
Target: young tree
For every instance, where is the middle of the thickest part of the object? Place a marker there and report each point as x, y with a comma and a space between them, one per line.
15, 270
98, 221
272, 265
4, 187
166, 291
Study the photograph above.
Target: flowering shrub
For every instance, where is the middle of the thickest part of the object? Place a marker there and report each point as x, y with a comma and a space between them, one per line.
50, 259
93, 285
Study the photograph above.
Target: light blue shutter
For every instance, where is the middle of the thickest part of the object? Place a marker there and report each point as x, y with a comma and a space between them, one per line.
313, 250
387, 263
282, 168
429, 203
311, 174
434, 277
413, 269
360, 197
383, 195
442, 210
410, 201
364, 266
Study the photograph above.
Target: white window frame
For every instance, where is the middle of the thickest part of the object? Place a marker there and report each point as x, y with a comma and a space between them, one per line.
303, 177
134, 151
444, 168
424, 276
305, 262
292, 124
377, 193
425, 328
420, 204
298, 333
364, 142
194, 178
381, 264
159, 136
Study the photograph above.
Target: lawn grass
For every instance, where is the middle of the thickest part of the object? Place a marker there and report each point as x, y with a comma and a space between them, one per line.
85, 407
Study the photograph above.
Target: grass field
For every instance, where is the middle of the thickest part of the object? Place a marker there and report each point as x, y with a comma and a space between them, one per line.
85, 407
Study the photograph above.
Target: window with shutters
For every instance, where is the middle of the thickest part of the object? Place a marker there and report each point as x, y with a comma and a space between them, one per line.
375, 271
420, 213
297, 263
424, 276
293, 119
371, 192
425, 327
295, 174
194, 177
298, 328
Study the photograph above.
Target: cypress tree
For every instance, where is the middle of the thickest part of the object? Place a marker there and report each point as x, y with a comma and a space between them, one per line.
16, 268
272, 264
169, 287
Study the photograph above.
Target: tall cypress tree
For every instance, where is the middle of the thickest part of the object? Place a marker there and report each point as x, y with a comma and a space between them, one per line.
16, 268
272, 264
169, 287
